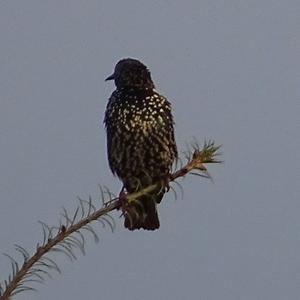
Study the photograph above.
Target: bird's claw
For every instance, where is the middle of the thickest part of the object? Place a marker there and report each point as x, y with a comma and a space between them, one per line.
165, 183
123, 199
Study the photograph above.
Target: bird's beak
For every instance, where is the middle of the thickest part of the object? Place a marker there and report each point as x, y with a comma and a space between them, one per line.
111, 77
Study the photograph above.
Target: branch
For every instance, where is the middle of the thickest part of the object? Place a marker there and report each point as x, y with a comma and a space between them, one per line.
68, 236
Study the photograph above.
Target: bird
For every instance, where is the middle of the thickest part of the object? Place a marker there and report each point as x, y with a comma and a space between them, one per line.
141, 146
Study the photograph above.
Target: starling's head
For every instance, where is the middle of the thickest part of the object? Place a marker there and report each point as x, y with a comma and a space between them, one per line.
131, 73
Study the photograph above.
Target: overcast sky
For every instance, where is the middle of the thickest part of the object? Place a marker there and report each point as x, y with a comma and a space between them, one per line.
231, 70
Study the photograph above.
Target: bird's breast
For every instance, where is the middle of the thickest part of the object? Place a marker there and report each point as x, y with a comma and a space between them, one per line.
133, 113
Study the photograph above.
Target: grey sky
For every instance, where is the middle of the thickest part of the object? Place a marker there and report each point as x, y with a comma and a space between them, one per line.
231, 70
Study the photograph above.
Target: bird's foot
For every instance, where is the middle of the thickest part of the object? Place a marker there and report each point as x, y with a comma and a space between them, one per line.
165, 183
129, 211
123, 199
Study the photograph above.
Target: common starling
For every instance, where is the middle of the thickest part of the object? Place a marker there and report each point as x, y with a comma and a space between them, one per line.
140, 139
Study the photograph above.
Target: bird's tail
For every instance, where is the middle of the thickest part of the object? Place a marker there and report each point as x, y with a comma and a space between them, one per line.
142, 213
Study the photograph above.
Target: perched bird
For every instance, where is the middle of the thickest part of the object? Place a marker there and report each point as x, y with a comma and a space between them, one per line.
140, 139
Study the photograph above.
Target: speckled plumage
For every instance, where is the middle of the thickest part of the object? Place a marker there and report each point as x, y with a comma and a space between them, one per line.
140, 138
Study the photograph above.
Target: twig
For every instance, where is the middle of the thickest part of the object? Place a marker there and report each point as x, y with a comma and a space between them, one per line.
31, 269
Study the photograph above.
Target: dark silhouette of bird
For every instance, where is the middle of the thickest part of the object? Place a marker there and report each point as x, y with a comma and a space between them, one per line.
140, 139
